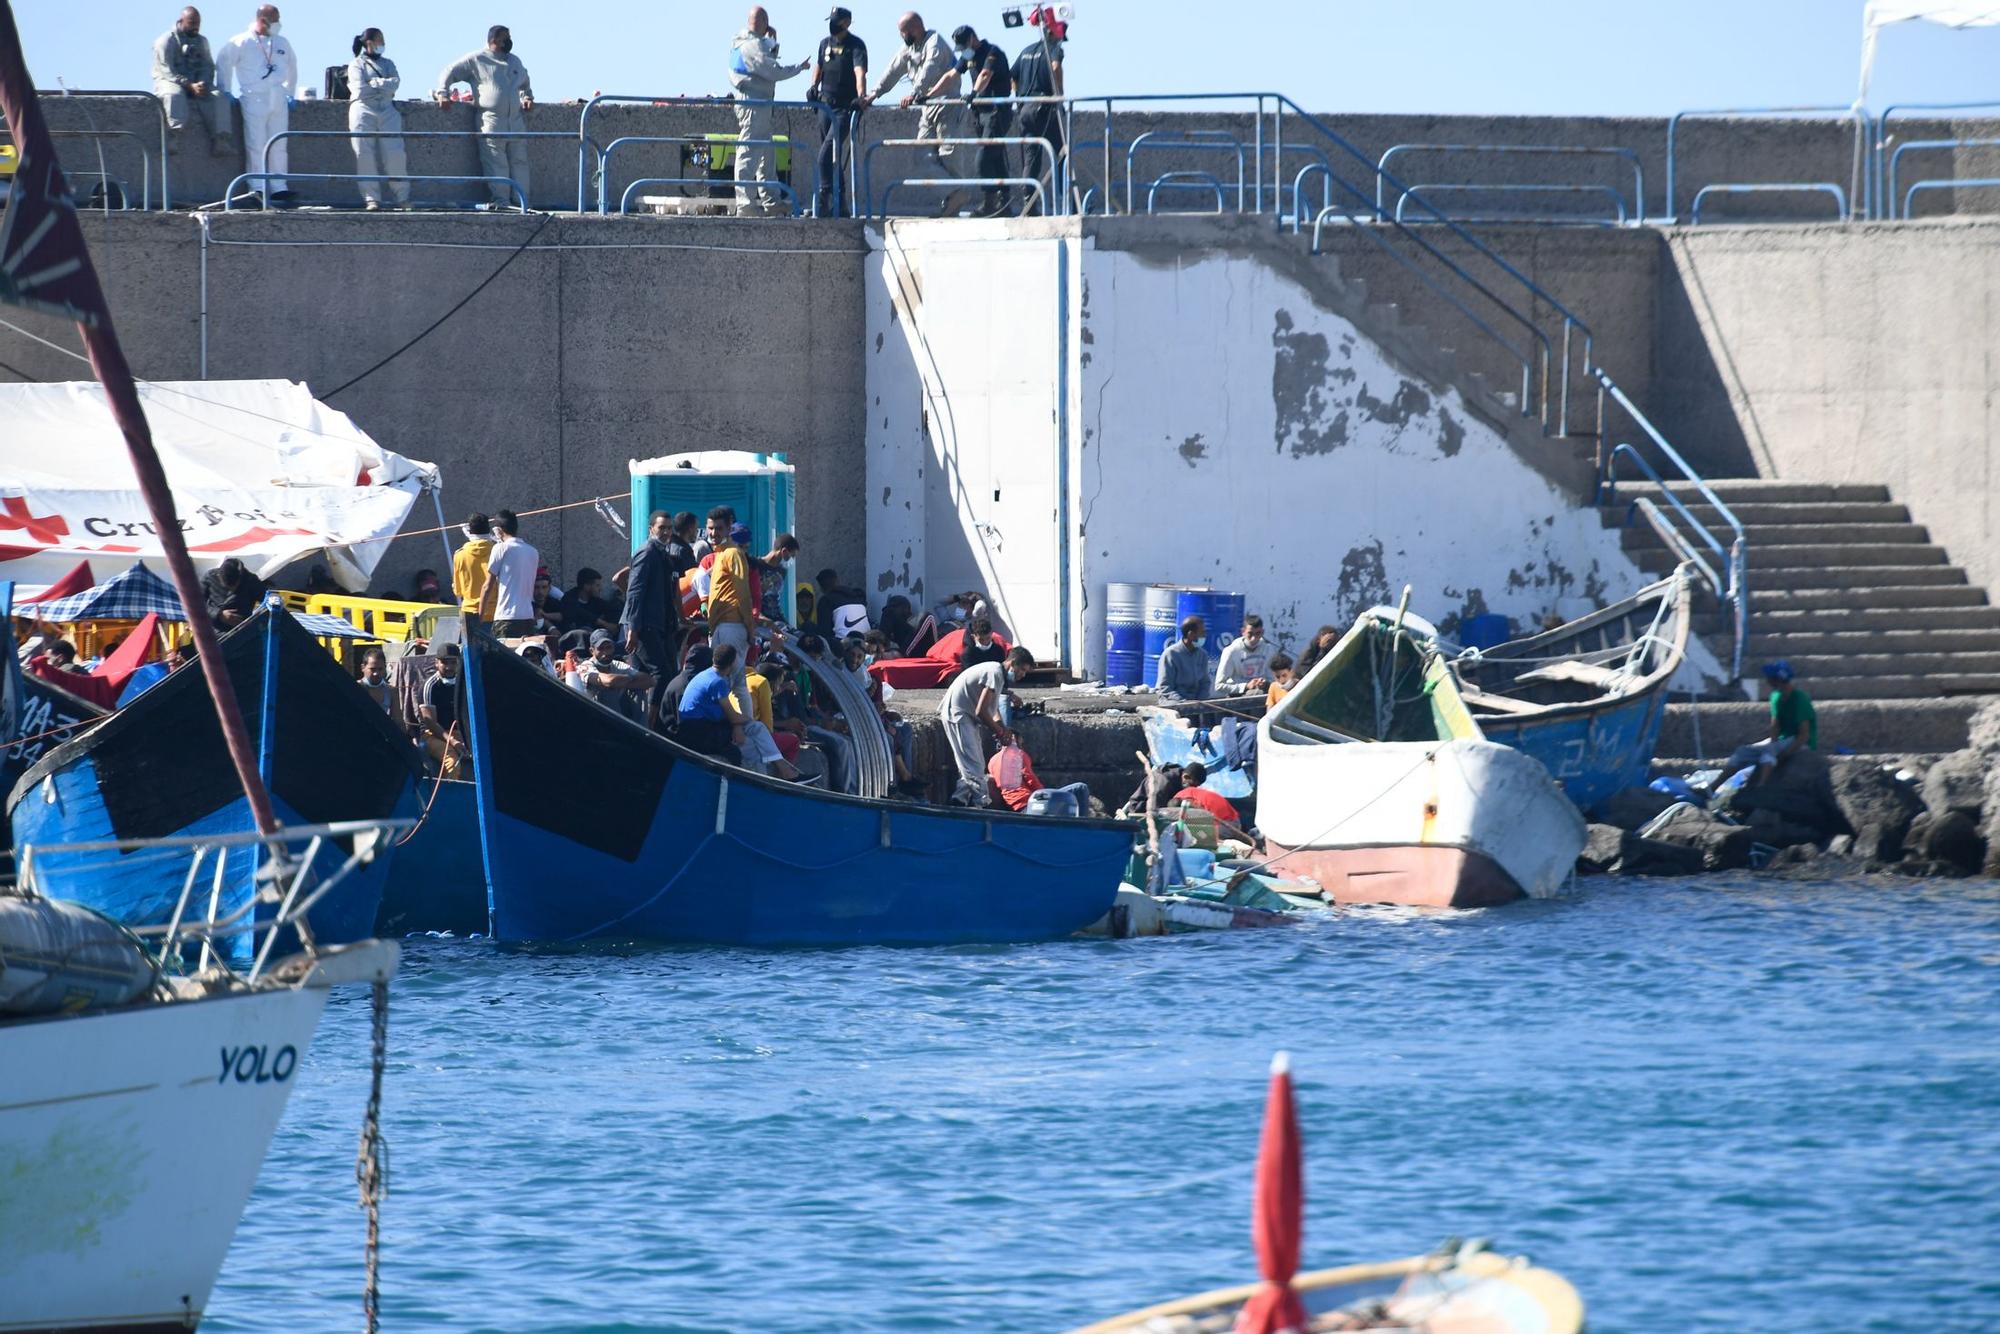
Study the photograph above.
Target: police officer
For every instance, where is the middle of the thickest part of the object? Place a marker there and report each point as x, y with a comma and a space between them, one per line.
266, 73
499, 82
372, 82
840, 90
184, 81
992, 79
1038, 72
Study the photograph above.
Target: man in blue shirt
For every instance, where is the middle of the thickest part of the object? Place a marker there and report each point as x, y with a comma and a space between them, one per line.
709, 720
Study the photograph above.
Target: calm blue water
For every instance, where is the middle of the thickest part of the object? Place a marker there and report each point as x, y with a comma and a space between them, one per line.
1726, 1105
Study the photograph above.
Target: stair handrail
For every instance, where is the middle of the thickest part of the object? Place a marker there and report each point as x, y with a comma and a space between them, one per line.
1733, 590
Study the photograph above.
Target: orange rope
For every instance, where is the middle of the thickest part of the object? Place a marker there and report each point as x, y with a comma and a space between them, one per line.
81, 722
546, 509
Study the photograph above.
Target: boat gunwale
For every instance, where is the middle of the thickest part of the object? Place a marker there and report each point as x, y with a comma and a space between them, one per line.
480, 643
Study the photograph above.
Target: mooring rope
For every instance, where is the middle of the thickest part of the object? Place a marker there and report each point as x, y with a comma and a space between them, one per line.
371, 1161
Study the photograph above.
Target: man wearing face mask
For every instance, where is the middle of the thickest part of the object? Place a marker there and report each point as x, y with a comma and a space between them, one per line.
992, 79
927, 61
372, 82
840, 89
499, 82
184, 81
266, 74
754, 74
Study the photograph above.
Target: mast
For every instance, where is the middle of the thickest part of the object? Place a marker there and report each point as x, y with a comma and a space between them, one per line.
45, 266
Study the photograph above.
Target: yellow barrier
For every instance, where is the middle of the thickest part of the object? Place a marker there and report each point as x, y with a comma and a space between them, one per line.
384, 620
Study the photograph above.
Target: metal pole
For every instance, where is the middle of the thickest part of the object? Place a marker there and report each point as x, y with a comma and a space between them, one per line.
201, 223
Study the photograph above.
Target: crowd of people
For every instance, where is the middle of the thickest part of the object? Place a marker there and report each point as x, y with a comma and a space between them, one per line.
970, 95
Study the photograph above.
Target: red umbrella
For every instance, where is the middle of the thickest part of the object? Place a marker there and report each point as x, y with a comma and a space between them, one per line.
1277, 1213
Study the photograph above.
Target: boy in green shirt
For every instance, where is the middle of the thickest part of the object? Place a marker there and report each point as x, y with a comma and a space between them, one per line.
1794, 725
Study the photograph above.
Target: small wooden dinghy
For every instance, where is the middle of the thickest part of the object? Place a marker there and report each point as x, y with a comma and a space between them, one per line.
1455, 1290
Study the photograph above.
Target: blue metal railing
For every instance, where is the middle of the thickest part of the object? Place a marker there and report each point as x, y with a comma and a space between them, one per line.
1895, 166
735, 143
128, 94
1188, 180
1618, 215
867, 188
1189, 141
1731, 583
1638, 209
229, 199
1859, 187
625, 199
267, 174
1966, 183
1840, 211
1885, 195
589, 165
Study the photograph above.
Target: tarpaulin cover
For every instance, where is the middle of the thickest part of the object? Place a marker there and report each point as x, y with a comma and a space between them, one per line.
1881, 13
259, 469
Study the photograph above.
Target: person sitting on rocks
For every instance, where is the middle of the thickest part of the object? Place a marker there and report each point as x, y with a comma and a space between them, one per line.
1794, 725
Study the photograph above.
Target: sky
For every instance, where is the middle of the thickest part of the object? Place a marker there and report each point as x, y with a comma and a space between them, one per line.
1594, 57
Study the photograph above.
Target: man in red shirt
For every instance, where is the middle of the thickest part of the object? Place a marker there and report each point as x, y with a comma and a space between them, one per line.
1227, 821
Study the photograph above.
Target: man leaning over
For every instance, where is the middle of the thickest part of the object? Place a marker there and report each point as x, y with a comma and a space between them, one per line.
926, 60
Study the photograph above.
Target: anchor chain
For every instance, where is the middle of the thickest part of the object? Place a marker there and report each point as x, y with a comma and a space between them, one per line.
371, 1160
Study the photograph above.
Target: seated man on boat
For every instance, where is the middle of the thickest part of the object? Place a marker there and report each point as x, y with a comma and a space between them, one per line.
973, 701
1282, 678
1228, 820
610, 680
712, 721
439, 713
1794, 726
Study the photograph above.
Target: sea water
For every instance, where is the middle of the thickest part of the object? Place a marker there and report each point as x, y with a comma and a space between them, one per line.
1720, 1105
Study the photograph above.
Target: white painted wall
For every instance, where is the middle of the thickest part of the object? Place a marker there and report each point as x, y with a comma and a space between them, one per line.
1222, 428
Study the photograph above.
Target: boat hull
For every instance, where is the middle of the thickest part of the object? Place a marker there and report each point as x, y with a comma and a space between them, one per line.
1594, 752
130, 1142
438, 882
624, 835
1412, 874
159, 769
1459, 823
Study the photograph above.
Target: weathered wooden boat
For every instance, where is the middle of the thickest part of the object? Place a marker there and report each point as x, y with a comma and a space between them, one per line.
1587, 697
1466, 1288
35, 714
594, 828
1376, 783
160, 769
143, 1082
437, 881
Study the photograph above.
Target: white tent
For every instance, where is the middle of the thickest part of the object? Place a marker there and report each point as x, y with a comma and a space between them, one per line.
259, 469
1881, 13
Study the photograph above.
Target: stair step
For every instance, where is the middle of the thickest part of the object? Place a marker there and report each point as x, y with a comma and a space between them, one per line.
1803, 512
1805, 534
1766, 643
1811, 665
1915, 597
1868, 726
1767, 491
1825, 574
1930, 686
1855, 619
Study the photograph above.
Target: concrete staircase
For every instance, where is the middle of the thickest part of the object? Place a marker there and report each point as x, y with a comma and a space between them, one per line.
1895, 646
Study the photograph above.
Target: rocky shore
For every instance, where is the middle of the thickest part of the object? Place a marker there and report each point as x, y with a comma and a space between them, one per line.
1920, 814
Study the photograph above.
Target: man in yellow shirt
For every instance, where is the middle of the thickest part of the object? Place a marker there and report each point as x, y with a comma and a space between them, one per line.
732, 610
468, 567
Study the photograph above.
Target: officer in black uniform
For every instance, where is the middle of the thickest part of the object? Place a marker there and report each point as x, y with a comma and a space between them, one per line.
1038, 72
839, 88
992, 78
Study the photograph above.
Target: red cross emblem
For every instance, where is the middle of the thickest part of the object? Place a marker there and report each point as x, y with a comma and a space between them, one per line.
45, 529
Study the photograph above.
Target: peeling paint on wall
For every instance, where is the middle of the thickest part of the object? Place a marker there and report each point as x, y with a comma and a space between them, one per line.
1193, 450
1364, 580
1298, 390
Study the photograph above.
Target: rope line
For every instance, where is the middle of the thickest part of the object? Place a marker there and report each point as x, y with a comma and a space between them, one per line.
463, 302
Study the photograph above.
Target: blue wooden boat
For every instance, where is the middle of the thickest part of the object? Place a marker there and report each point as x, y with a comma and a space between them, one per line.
595, 828
159, 769
1587, 697
35, 714
437, 881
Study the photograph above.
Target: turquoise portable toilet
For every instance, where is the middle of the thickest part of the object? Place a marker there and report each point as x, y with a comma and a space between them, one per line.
761, 488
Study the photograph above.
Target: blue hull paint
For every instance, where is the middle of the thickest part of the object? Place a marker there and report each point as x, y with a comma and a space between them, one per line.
694, 851
159, 769
1595, 754
438, 881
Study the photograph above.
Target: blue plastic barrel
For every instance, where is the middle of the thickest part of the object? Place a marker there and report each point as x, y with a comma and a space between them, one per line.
1125, 634
1221, 614
1486, 630
1162, 625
